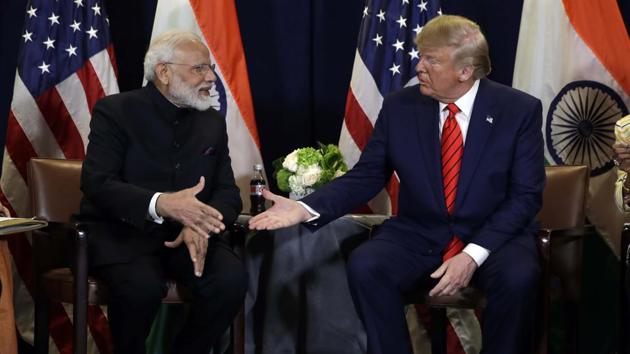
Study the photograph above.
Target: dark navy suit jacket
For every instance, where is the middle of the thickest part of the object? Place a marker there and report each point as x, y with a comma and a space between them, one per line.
502, 174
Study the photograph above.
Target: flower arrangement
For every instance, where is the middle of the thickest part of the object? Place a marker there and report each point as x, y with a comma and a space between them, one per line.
306, 169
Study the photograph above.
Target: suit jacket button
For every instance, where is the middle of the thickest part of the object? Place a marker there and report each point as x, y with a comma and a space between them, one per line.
178, 166
176, 145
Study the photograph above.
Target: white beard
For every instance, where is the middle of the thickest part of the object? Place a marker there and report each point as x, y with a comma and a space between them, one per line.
184, 95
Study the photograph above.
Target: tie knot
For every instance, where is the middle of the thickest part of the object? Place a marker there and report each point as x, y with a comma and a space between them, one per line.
452, 107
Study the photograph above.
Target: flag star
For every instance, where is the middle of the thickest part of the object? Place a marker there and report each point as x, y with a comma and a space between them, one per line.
439, 11
414, 54
79, 3
27, 36
97, 9
76, 26
405, 2
381, 16
395, 69
71, 50
365, 11
398, 45
378, 39
402, 22
422, 5
44, 67
49, 43
418, 29
92, 32
32, 12
53, 19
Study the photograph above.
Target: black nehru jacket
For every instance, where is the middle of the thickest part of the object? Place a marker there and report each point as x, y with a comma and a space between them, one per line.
139, 144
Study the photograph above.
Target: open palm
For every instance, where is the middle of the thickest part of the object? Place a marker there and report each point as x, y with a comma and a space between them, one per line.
284, 212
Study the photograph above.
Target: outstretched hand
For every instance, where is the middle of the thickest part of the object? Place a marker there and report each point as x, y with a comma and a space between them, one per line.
184, 207
284, 212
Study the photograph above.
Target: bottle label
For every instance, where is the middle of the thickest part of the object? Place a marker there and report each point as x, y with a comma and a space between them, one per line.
256, 189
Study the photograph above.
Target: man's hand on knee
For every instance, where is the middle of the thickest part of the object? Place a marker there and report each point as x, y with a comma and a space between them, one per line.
454, 274
184, 207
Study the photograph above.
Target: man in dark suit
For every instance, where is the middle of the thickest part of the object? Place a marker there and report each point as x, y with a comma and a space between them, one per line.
157, 179
469, 156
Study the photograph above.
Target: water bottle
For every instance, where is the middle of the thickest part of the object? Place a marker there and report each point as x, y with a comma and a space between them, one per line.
256, 186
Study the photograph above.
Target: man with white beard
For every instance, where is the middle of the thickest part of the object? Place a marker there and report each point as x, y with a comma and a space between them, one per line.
158, 191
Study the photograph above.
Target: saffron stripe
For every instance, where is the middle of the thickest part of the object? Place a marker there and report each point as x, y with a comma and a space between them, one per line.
219, 25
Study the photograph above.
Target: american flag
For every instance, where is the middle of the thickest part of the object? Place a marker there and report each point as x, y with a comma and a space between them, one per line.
65, 65
384, 62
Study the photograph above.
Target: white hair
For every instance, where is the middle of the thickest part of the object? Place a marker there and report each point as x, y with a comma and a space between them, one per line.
162, 47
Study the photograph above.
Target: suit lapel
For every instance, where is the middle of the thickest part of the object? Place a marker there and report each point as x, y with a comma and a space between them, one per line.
427, 118
481, 123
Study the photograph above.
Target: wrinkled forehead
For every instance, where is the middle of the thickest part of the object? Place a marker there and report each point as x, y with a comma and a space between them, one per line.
191, 51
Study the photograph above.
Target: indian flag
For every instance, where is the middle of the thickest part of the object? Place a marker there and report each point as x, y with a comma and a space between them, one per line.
573, 55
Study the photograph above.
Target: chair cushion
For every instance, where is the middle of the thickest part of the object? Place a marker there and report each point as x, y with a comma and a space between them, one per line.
58, 285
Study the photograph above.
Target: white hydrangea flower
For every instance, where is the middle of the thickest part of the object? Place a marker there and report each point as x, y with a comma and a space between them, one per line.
291, 161
311, 175
296, 184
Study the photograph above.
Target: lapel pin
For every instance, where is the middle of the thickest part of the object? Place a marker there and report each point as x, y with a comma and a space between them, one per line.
489, 119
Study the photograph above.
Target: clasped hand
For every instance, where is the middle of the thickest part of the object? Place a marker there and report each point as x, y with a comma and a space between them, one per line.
184, 207
455, 273
197, 247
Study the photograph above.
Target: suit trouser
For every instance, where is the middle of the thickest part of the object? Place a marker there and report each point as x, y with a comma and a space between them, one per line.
382, 273
136, 290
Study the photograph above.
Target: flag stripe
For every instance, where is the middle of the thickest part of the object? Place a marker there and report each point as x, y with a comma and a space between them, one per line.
18, 146
364, 89
604, 34
77, 104
61, 124
357, 122
219, 25
103, 66
93, 90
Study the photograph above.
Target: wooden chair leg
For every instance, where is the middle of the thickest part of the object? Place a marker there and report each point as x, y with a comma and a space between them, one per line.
41, 327
438, 330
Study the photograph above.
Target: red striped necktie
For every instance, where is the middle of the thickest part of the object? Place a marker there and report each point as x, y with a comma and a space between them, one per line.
452, 151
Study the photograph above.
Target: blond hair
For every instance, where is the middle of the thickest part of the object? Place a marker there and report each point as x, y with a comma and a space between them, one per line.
470, 47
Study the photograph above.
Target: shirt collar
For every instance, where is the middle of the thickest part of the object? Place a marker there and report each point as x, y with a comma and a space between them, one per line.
465, 103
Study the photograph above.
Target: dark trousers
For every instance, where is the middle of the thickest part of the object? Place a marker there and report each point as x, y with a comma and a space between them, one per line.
136, 290
382, 274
